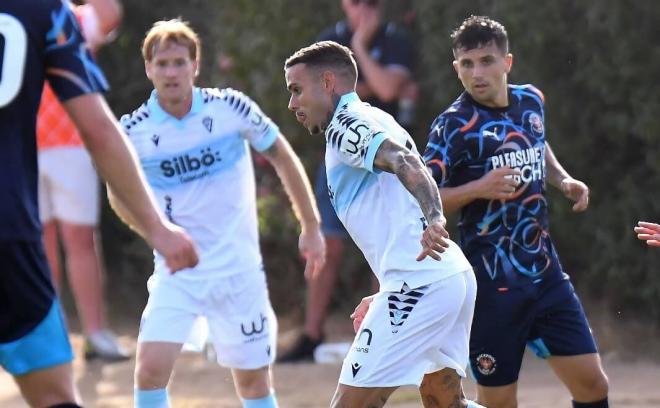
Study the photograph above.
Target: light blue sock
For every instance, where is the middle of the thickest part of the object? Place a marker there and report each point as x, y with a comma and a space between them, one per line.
152, 398
268, 401
472, 404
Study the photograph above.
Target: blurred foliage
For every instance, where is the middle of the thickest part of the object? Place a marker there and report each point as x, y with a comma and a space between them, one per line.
595, 61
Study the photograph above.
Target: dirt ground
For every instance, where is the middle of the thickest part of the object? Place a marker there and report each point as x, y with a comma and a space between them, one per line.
198, 383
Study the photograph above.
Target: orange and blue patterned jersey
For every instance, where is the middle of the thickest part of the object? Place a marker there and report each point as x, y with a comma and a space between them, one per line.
507, 241
40, 39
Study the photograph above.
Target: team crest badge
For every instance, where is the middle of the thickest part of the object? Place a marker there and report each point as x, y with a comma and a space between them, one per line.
208, 123
536, 122
486, 364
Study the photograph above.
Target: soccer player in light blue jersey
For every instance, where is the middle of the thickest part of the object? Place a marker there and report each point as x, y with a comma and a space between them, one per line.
417, 326
194, 146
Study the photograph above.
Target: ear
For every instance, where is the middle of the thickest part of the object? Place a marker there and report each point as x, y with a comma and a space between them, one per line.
328, 81
508, 61
455, 65
195, 65
147, 69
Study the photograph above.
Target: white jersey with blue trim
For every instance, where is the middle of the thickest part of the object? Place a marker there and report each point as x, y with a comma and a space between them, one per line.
382, 217
200, 170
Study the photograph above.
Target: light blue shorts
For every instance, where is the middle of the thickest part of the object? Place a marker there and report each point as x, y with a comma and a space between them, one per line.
47, 345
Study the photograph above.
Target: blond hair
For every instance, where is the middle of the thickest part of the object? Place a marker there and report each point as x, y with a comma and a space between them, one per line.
173, 31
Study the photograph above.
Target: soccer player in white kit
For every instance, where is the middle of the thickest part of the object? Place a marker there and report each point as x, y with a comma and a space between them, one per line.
417, 327
194, 147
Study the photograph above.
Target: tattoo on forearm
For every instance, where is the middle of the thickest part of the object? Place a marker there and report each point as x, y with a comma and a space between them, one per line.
414, 177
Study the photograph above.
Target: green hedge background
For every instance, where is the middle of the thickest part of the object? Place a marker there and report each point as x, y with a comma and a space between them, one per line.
596, 61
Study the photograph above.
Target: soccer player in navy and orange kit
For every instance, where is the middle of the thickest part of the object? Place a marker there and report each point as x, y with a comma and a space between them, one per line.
490, 158
42, 38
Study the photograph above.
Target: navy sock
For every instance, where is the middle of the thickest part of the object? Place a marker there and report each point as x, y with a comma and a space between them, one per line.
596, 404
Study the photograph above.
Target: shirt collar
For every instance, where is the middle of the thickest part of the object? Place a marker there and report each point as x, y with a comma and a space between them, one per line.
160, 115
347, 98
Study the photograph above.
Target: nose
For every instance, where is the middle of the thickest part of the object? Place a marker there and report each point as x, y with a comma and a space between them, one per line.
170, 71
477, 71
292, 103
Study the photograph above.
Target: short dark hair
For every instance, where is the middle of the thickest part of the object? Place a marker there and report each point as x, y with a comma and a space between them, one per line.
478, 31
326, 54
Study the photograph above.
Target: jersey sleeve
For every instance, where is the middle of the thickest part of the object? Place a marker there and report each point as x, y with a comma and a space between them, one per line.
257, 128
70, 68
355, 140
445, 150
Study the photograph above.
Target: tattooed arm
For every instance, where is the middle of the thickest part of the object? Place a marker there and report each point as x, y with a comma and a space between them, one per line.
408, 167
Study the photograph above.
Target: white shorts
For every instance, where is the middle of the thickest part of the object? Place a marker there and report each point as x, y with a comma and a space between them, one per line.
241, 321
414, 332
68, 186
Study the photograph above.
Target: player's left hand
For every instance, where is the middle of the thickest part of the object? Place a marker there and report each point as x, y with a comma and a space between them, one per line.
434, 240
577, 191
649, 232
312, 247
361, 311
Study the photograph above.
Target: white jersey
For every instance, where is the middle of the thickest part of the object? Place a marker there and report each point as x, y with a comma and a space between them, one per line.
382, 217
200, 170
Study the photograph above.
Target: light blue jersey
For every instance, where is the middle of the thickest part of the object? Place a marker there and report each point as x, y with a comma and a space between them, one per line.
201, 172
382, 217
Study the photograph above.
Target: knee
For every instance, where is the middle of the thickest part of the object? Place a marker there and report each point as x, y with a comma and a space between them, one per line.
252, 384
594, 387
150, 374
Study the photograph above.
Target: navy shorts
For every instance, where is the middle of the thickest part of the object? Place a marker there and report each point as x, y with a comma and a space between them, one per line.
330, 224
47, 345
26, 290
548, 318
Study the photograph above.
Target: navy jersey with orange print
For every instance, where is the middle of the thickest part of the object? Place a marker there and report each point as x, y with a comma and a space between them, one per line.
38, 39
506, 241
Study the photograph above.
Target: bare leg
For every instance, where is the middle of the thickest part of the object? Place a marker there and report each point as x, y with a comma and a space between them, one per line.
347, 396
442, 389
84, 273
498, 397
52, 251
583, 375
47, 387
252, 384
154, 364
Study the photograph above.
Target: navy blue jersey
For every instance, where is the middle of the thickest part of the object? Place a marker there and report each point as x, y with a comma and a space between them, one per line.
506, 241
38, 38
391, 46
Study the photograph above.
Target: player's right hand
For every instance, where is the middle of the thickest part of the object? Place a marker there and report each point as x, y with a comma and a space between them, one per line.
361, 311
498, 184
176, 246
434, 240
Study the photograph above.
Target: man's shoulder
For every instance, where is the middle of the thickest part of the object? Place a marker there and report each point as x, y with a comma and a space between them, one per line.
460, 111
396, 31
227, 99
527, 92
338, 32
136, 119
